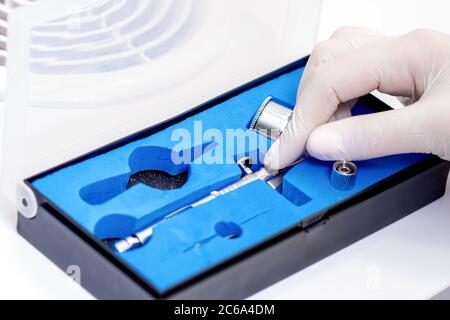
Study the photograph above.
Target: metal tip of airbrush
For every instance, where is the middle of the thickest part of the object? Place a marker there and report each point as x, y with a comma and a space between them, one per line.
125, 244
121, 246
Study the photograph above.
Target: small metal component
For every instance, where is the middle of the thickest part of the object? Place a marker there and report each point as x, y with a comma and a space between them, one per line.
343, 175
271, 118
245, 164
134, 240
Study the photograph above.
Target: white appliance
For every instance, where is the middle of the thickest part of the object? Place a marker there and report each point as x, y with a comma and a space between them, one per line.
6, 6
82, 73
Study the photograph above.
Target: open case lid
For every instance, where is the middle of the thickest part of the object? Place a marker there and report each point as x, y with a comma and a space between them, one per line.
83, 73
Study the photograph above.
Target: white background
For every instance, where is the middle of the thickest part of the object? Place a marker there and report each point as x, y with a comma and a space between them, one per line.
391, 17
409, 259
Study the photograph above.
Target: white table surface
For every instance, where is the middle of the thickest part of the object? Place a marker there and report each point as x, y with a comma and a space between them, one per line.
409, 259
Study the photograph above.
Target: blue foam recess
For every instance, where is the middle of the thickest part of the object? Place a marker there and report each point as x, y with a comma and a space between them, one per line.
93, 192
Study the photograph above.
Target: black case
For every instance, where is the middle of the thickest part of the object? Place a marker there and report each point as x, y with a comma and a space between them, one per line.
103, 274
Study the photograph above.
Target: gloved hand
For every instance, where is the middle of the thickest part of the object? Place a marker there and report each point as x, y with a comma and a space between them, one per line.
355, 62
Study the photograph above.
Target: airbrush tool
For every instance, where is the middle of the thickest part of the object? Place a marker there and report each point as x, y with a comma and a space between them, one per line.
271, 177
270, 120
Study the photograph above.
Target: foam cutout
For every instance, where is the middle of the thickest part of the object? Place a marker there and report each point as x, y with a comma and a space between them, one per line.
94, 191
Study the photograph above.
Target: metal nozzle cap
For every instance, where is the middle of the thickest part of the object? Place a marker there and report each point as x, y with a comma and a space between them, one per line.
343, 175
271, 118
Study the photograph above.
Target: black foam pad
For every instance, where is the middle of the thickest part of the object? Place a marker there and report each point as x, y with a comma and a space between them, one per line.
158, 179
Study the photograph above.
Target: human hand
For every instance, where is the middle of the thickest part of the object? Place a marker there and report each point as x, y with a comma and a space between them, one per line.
353, 63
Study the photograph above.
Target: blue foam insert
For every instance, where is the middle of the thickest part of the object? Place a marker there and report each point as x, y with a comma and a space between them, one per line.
93, 192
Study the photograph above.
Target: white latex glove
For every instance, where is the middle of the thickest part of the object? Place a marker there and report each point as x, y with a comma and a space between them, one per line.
355, 62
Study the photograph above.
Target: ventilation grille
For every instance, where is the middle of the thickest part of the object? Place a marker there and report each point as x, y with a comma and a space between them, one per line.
110, 36
5, 7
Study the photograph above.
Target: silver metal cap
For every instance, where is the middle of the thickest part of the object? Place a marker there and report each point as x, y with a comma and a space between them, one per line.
271, 118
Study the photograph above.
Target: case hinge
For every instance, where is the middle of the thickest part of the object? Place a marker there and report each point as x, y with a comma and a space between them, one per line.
313, 220
26, 202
